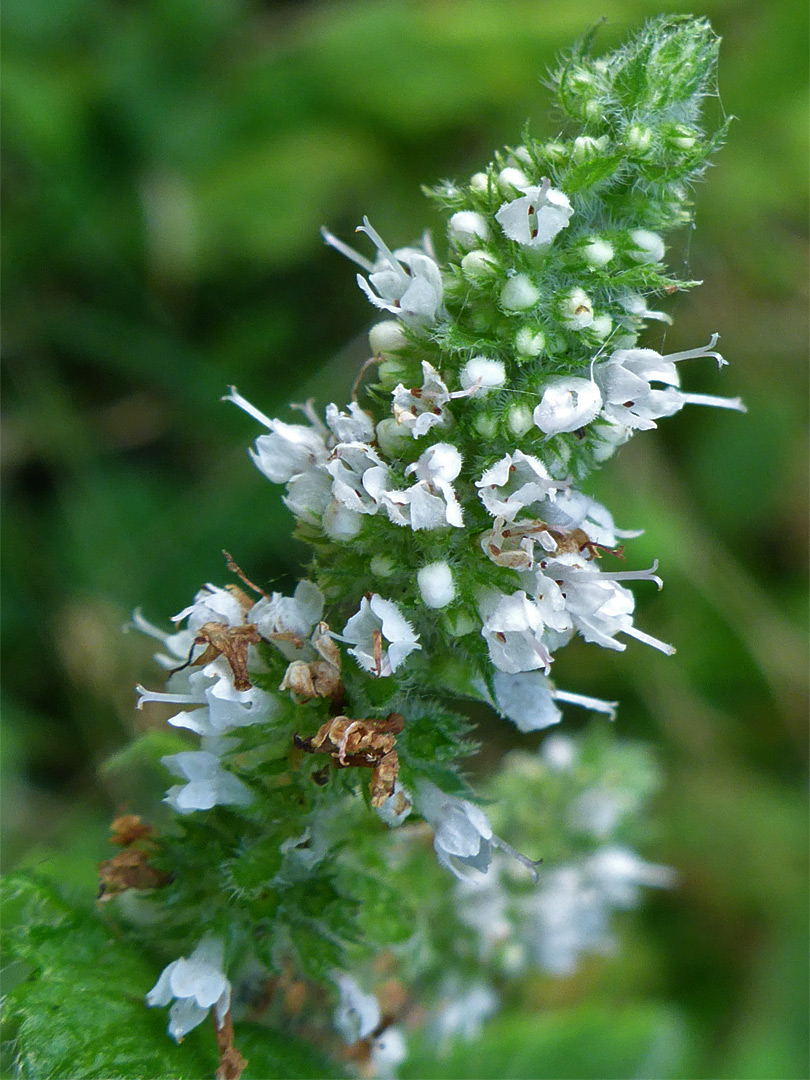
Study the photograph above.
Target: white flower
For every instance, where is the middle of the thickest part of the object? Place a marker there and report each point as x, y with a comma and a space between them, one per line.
355, 426
436, 585
626, 380
598, 605
527, 699
421, 408
462, 835
357, 1014
573, 510
408, 282
431, 503
289, 449
208, 783
288, 621
196, 984
379, 621
359, 477
513, 628
536, 217
568, 403
516, 481
225, 708
480, 375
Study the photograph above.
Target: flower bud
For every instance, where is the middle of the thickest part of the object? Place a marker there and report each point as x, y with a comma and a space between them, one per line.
556, 152
511, 177
519, 293
392, 438
386, 337
486, 425
530, 342
577, 310
598, 252
436, 585
382, 565
586, 148
519, 418
477, 265
682, 137
638, 138
468, 228
479, 181
601, 326
392, 371
482, 374
649, 247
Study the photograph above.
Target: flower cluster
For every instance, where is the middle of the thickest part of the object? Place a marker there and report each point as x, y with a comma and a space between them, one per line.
455, 550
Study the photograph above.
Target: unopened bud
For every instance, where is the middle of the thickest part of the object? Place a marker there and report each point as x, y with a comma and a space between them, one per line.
530, 342
519, 293
386, 337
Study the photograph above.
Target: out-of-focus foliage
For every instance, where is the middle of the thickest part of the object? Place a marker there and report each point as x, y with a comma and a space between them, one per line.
167, 165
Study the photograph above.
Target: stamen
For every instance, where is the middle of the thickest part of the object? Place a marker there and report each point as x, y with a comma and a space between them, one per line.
587, 702
718, 402
244, 404
142, 624
648, 639
146, 696
345, 250
696, 354
382, 247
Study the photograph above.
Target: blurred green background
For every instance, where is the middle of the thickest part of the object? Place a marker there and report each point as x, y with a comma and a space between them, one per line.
167, 166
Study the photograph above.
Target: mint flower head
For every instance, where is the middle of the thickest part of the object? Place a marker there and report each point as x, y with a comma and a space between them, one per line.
455, 549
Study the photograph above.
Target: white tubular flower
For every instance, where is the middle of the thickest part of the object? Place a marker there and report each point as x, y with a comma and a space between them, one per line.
224, 707
480, 375
648, 247
513, 628
573, 510
421, 408
196, 984
631, 401
289, 449
408, 282
468, 228
431, 503
211, 604
359, 477
436, 585
598, 605
357, 1014
208, 783
518, 480
463, 837
568, 403
376, 622
355, 426
535, 219
288, 621
577, 310
526, 699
